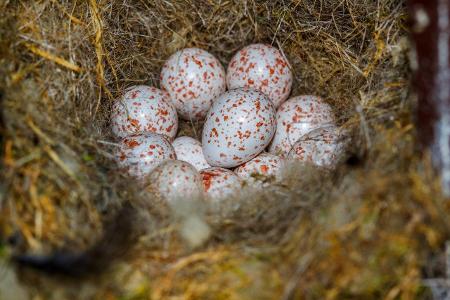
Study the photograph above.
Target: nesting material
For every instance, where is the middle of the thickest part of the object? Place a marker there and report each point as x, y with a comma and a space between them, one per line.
369, 229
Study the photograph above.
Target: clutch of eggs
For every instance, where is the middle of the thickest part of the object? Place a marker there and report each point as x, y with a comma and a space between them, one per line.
240, 124
144, 109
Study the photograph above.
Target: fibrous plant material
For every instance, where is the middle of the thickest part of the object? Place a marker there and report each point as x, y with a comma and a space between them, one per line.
370, 230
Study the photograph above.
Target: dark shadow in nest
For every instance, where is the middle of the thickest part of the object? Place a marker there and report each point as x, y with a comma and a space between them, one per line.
119, 236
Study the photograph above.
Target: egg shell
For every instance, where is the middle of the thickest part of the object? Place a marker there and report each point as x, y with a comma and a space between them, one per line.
264, 165
323, 147
239, 125
297, 117
177, 180
190, 150
220, 183
138, 155
144, 109
193, 77
261, 67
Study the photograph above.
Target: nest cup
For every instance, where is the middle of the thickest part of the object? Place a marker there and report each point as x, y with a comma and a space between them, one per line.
362, 231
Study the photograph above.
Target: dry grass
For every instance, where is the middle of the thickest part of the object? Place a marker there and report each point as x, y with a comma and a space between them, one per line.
368, 231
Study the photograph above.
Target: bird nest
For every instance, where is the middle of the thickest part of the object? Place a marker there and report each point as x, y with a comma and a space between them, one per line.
368, 230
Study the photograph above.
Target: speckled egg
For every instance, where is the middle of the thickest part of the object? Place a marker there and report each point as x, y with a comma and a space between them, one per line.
193, 77
190, 150
239, 125
261, 67
295, 118
138, 155
220, 183
144, 109
323, 147
177, 180
262, 167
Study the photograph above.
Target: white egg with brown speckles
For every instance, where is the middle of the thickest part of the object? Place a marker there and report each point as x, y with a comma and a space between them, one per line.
177, 180
239, 125
263, 68
297, 117
219, 183
323, 147
193, 77
190, 150
144, 109
264, 166
138, 155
